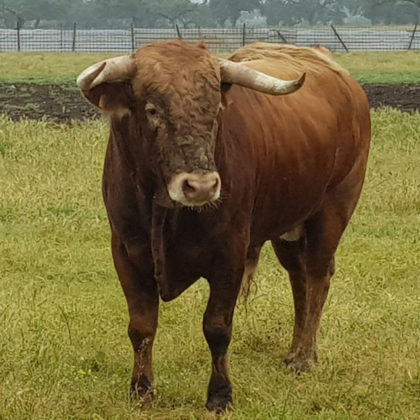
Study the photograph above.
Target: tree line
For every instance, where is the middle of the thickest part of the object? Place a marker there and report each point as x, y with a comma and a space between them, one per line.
205, 13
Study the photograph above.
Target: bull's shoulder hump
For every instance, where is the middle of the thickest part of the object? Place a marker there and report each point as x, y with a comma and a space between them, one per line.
288, 57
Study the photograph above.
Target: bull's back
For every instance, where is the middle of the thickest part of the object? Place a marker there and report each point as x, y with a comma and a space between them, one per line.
300, 145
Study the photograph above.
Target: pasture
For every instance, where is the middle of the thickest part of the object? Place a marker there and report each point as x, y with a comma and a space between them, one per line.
367, 67
64, 349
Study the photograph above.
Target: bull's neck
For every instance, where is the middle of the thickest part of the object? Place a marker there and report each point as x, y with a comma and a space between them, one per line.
127, 145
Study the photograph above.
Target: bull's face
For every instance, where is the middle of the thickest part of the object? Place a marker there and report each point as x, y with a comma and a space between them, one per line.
170, 93
182, 134
177, 110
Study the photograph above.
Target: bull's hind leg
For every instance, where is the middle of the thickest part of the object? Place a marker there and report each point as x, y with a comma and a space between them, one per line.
310, 264
134, 269
309, 261
291, 255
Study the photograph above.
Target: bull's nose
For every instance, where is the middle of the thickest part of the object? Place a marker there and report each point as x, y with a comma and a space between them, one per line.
201, 188
194, 189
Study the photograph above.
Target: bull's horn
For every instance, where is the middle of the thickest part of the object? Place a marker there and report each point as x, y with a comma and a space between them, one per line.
242, 75
115, 69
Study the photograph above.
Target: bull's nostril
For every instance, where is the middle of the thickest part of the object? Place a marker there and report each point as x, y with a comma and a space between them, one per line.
215, 183
188, 189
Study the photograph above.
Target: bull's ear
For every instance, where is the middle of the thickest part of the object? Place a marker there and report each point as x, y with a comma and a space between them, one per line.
107, 84
111, 97
224, 89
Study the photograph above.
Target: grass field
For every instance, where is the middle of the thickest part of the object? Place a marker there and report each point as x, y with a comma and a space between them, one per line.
64, 351
385, 67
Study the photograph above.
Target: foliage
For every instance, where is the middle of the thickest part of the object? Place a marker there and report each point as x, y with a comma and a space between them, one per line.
174, 12
13, 11
276, 12
392, 12
224, 10
167, 13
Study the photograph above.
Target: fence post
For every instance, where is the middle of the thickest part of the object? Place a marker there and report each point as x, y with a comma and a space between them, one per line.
73, 46
178, 31
280, 35
339, 38
133, 44
412, 37
243, 35
18, 34
61, 37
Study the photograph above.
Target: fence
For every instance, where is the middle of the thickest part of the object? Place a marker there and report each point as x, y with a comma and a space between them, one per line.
337, 39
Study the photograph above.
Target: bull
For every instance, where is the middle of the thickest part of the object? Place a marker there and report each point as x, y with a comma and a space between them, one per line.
208, 159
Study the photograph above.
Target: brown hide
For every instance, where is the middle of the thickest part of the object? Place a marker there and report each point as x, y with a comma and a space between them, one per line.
295, 148
277, 158
291, 167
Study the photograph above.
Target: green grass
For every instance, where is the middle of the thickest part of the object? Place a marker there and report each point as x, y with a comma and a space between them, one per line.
384, 67
64, 351
45, 67
380, 67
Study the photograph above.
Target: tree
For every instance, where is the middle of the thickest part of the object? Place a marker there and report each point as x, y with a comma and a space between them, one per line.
107, 13
315, 12
174, 12
310, 12
224, 10
20, 11
276, 11
392, 12
410, 8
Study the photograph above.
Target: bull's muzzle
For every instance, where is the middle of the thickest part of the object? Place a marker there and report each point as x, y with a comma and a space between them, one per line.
194, 188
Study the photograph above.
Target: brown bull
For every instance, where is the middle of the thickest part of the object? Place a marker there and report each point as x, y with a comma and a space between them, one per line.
207, 160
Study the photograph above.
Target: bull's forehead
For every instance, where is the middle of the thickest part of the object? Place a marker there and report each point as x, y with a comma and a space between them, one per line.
177, 70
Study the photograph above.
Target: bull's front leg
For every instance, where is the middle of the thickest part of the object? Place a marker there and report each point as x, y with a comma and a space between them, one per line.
134, 266
217, 327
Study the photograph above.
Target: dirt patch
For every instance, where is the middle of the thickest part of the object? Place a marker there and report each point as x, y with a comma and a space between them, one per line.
405, 97
63, 103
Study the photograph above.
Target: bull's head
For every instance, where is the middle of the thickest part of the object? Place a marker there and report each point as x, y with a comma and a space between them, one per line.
171, 94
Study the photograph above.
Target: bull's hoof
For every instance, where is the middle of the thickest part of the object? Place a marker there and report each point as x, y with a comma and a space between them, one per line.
142, 394
299, 362
218, 401
218, 406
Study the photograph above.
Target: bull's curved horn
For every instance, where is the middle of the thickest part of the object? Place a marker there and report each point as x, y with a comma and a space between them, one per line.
240, 74
115, 69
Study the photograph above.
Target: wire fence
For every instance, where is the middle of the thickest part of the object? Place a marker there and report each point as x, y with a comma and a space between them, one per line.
337, 39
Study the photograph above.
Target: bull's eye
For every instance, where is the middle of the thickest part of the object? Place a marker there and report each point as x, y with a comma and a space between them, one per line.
153, 116
151, 110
